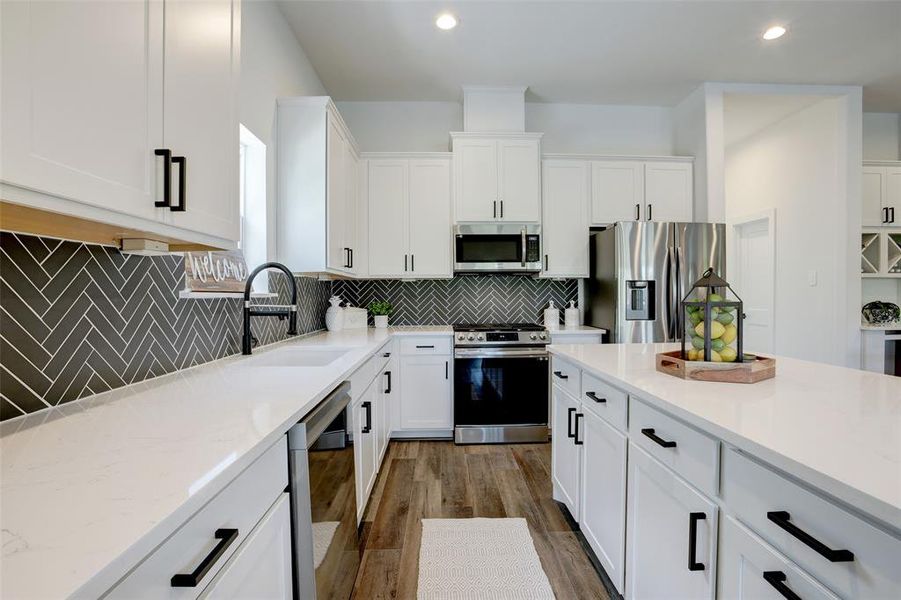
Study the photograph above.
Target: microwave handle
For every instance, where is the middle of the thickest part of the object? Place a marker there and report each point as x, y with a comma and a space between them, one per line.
523, 246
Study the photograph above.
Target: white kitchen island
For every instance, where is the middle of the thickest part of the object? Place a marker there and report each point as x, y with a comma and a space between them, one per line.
702, 490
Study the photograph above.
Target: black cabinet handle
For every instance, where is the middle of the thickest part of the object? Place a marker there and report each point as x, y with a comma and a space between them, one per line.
367, 406
782, 518
777, 580
167, 177
650, 212
884, 214
569, 422
594, 397
494, 214
182, 163
351, 258
226, 538
502, 209
388, 373
386, 355
405, 263
446, 369
892, 218
560, 375
659, 440
413, 262
425, 346
545, 262
578, 442
693, 518
638, 212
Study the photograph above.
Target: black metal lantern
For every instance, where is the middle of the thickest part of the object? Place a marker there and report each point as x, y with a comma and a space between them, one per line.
713, 321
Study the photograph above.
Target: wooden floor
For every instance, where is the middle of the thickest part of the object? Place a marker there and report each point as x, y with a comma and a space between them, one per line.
441, 480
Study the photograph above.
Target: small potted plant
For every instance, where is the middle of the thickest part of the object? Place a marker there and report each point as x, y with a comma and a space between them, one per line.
380, 311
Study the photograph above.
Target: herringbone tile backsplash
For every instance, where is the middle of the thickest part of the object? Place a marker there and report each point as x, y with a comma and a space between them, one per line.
79, 319
463, 299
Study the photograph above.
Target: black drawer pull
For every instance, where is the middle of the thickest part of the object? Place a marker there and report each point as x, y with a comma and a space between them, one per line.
659, 440
386, 355
594, 397
425, 346
783, 519
576, 439
777, 580
693, 518
367, 406
569, 422
182, 163
226, 538
166, 202
560, 375
388, 373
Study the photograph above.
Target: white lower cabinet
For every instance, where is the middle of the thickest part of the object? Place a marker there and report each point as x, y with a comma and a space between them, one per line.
603, 494
566, 453
750, 569
425, 392
261, 567
365, 455
671, 533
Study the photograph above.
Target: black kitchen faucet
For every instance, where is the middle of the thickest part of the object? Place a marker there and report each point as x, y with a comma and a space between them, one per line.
268, 310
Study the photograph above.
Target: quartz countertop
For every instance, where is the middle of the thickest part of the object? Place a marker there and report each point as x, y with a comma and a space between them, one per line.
91, 487
577, 330
835, 428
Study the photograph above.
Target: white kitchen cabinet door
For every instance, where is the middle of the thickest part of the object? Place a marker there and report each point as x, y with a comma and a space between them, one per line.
476, 185
750, 569
671, 534
617, 191
603, 501
384, 384
519, 196
336, 203
202, 60
565, 224
351, 191
261, 567
425, 399
82, 93
430, 218
873, 199
388, 217
566, 466
364, 447
893, 195
667, 191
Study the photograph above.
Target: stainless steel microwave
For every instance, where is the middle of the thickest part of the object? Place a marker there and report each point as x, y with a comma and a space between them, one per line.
497, 247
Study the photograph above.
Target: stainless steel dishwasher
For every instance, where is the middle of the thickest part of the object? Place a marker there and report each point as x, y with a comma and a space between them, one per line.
323, 501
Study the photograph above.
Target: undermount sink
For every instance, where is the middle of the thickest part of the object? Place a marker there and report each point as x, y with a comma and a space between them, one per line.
299, 357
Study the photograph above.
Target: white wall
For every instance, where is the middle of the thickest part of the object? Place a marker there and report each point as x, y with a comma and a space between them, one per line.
567, 128
272, 65
881, 136
793, 166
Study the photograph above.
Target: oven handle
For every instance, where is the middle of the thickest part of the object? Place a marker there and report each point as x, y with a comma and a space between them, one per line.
499, 353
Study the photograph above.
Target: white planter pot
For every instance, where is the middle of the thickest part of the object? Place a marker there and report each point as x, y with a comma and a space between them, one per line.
381, 321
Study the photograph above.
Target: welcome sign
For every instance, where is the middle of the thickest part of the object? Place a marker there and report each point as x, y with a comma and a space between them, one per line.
215, 271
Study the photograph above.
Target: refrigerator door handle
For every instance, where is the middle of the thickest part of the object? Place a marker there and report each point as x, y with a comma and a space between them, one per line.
679, 325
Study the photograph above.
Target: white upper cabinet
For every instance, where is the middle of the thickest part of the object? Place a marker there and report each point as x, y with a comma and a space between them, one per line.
497, 177
318, 188
565, 198
641, 190
881, 197
82, 101
92, 90
409, 216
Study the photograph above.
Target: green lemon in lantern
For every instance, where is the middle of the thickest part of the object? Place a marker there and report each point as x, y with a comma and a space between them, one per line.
717, 345
716, 298
728, 354
725, 318
698, 342
730, 332
716, 330
695, 317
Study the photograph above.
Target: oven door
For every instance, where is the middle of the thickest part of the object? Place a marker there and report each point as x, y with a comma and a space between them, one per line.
497, 247
500, 387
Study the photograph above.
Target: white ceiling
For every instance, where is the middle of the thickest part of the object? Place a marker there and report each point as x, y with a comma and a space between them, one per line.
635, 52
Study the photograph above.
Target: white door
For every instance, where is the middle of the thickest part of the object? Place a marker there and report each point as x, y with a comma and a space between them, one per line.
388, 217
430, 218
565, 218
336, 205
893, 195
603, 501
425, 401
82, 90
873, 200
202, 61
668, 192
565, 454
475, 179
671, 533
351, 175
261, 567
617, 191
749, 569
519, 195
752, 270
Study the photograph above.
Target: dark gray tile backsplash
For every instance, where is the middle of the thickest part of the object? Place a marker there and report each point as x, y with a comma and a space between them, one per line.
78, 319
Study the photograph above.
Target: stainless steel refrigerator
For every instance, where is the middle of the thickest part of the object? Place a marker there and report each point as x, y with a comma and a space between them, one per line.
640, 271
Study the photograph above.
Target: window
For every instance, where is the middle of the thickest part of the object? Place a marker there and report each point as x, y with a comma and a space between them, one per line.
252, 197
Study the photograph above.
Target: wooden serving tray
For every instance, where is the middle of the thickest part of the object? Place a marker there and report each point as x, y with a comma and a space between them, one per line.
759, 369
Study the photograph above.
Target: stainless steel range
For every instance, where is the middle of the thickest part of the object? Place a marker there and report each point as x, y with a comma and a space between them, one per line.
501, 383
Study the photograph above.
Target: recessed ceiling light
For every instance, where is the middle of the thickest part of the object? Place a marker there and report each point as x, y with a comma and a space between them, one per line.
774, 32
446, 21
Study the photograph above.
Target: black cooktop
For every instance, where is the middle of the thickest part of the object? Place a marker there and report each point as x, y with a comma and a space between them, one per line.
498, 327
